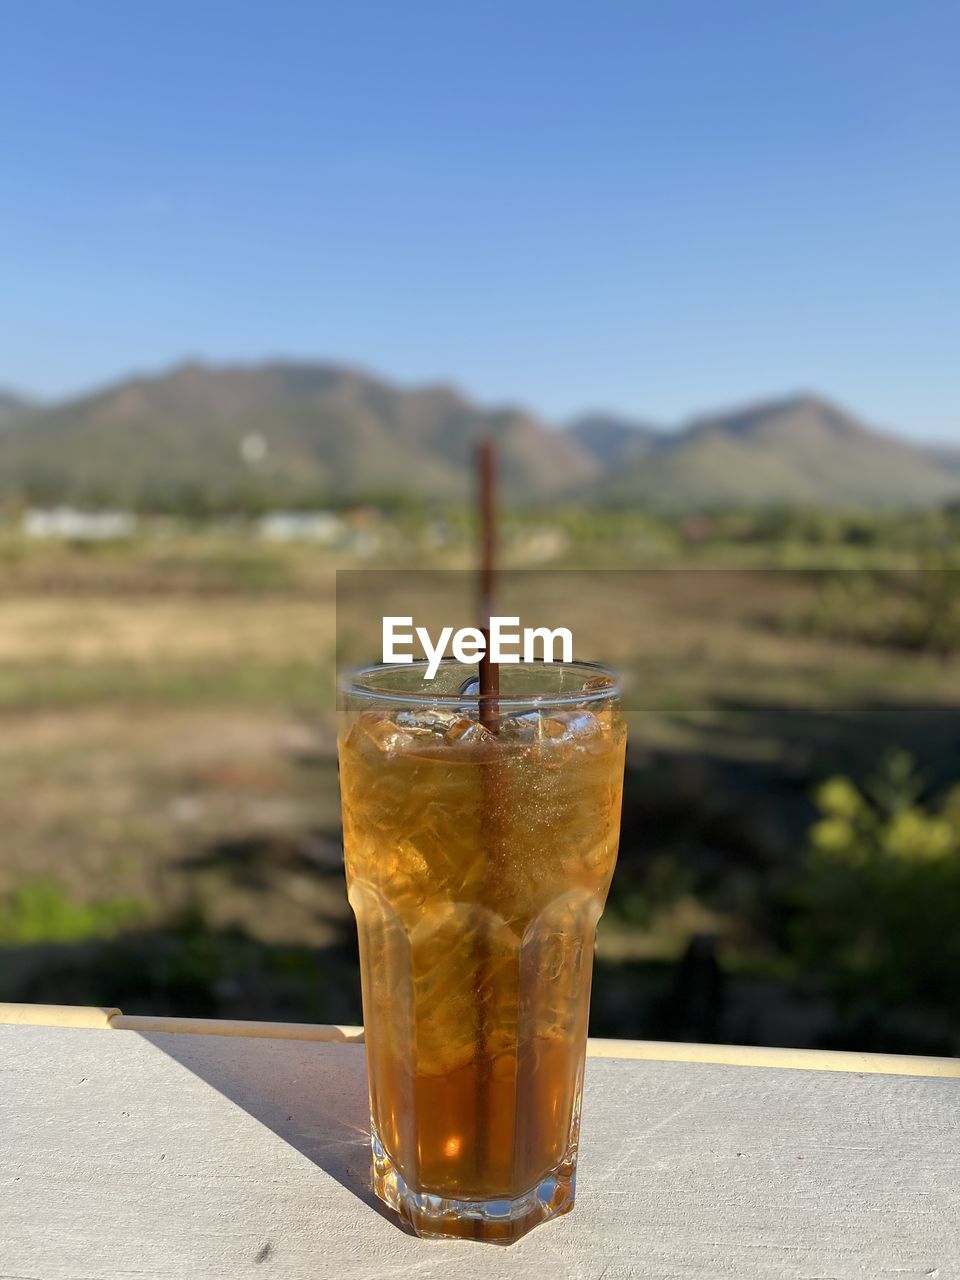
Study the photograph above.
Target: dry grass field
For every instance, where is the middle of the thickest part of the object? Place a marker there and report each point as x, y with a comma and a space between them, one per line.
168, 795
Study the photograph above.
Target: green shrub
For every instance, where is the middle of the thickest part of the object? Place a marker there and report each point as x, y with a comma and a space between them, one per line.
41, 911
878, 914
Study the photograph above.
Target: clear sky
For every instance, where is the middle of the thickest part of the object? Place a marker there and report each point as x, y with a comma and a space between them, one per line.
656, 206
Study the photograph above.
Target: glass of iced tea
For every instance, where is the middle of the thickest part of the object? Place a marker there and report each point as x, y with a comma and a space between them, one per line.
477, 866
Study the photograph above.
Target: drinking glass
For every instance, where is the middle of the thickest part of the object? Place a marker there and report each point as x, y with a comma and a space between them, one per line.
477, 867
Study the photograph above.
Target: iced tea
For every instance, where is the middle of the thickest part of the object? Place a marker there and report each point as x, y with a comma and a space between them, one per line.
477, 868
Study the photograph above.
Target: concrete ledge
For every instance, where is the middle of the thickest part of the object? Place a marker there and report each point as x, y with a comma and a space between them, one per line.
45, 1015
157, 1154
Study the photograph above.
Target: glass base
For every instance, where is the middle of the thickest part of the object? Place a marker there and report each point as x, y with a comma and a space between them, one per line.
498, 1221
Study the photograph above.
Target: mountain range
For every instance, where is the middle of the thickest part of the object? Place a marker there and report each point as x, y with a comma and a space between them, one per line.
11, 407
283, 433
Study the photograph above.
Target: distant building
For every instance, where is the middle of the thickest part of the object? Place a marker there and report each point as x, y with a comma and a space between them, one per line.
71, 525
301, 526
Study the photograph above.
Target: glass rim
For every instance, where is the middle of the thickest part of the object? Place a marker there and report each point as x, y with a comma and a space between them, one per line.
349, 684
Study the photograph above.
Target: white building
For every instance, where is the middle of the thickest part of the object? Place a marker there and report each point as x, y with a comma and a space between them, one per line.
71, 525
301, 526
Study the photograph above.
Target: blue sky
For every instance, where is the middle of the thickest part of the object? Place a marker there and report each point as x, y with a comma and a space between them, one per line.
654, 207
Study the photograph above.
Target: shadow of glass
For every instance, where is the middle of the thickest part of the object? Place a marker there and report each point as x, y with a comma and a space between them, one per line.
312, 1094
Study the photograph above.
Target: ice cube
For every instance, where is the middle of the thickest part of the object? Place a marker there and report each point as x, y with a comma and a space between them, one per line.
530, 726
431, 719
376, 733
467, 732
576, 723
599, 684
461, 954
524, 726
567, 732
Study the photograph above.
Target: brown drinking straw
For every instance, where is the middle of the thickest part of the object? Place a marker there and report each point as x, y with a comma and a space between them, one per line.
489, 709
486, 502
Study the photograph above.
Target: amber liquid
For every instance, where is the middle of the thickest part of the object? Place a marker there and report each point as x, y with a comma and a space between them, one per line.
477, 873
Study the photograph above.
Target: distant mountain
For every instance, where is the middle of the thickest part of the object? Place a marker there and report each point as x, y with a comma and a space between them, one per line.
12, 407
802, 451
946, 456
277, 433
283, 433
612, 440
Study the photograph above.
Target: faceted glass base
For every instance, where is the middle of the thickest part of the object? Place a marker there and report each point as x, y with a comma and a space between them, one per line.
497, 1221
